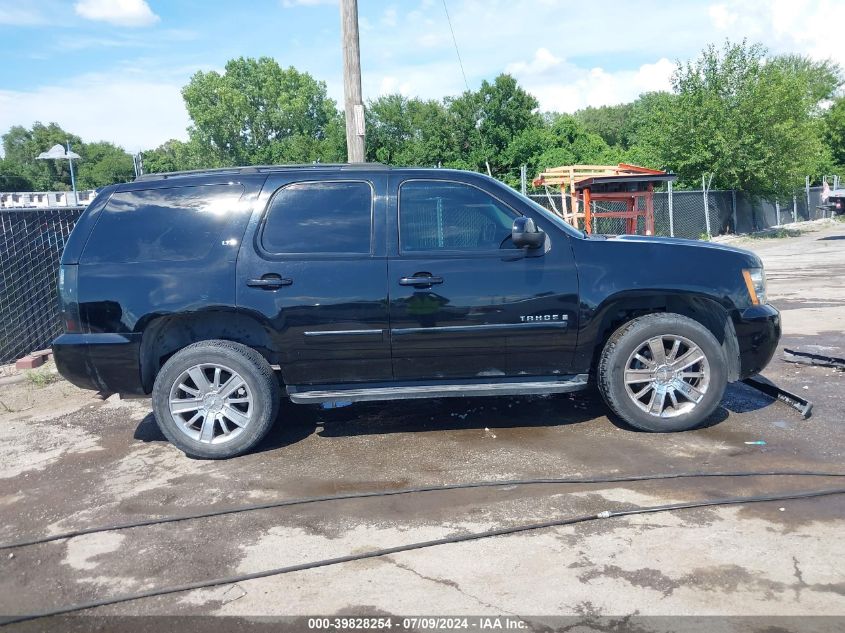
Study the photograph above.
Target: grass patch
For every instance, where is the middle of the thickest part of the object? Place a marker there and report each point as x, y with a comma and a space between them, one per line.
42, 378
776, 234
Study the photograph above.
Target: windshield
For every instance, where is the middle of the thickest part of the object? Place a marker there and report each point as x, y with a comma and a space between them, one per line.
553, 217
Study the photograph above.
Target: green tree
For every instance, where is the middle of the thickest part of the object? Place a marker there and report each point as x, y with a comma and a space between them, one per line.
486, 121
820, 79
103, 164
402, 131
751, 123
609, 122
22, 147
645, 131
562, 140
10, 177
258, 112
174, 155
389, 128
834, 132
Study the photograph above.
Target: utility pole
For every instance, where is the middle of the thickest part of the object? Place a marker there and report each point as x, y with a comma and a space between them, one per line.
354, 103
705, 187
73, 178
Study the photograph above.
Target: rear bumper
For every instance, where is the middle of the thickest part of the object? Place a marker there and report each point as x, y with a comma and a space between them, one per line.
757, 335
103, 362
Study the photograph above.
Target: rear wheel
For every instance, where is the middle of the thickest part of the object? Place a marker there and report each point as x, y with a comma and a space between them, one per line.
662, 372
216, 399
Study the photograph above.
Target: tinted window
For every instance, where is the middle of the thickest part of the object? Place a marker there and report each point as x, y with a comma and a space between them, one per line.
319, 217
174, 224
451, 217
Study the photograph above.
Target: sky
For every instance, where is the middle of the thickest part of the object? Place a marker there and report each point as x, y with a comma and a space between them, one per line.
113, 69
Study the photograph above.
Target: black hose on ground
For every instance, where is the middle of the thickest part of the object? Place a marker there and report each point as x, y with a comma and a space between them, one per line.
227, 580
406, 491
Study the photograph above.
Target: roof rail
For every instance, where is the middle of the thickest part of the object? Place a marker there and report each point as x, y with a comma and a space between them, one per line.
256, 169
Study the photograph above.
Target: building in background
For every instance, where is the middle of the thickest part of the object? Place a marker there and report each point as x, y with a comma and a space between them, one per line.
44, 199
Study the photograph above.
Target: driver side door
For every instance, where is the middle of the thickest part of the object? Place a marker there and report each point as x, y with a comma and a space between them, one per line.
464, 302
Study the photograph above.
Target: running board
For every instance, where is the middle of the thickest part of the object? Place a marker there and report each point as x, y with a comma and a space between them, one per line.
535, 386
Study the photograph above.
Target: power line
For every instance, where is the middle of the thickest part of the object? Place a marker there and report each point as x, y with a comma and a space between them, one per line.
455, 41
458, 538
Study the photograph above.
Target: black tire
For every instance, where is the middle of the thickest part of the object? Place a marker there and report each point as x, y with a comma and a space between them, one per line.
631, 337
261, 385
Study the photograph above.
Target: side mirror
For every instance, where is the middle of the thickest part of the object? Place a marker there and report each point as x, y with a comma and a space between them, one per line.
525, 234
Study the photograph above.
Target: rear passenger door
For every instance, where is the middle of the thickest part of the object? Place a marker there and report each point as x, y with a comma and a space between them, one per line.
313, 269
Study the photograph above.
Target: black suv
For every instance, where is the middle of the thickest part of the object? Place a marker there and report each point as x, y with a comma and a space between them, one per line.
217, 291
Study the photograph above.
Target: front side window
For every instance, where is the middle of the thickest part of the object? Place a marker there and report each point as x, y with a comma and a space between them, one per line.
319, 217
451, 216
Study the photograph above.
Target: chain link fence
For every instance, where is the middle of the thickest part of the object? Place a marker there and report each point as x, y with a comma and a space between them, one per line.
31, 244
688, 214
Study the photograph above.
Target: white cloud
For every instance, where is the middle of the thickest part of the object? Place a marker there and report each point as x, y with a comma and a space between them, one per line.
392, 85
656, 76
520, 37
722, 17
543, 62
134, 112
579, 64
117, 12
784, 26
562, 86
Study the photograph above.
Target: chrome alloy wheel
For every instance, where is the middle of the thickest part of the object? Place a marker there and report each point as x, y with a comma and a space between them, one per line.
667, 376
211, 403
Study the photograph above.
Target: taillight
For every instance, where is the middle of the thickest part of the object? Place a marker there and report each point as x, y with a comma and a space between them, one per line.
68, 299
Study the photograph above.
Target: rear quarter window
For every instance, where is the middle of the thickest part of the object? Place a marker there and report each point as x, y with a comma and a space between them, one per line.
173, 224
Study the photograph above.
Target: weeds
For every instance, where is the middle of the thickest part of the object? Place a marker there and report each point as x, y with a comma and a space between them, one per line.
42, 378
776, 234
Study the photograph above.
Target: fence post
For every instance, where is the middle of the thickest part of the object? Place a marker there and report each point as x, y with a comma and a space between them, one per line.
733, 208
807, 189
777, 210
706, 205
523, 177
794, 208
671, 212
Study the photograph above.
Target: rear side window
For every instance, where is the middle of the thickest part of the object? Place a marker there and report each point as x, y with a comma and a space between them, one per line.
319, 218
451, 216
174, 224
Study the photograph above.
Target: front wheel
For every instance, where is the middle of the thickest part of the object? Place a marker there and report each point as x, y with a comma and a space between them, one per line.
216, 399
662, 372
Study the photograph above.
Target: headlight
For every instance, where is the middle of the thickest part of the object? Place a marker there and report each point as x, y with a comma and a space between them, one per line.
755, 281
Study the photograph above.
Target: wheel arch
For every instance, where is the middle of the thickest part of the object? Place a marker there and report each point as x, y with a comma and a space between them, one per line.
623, 307
164, 335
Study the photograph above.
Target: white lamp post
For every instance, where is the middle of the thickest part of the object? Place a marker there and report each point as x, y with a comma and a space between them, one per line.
57, 152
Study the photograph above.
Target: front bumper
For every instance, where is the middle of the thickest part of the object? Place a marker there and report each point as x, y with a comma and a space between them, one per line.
757, 334
103, 362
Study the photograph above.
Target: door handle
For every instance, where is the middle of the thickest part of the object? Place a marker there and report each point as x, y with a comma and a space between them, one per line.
420, 280
269, 282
